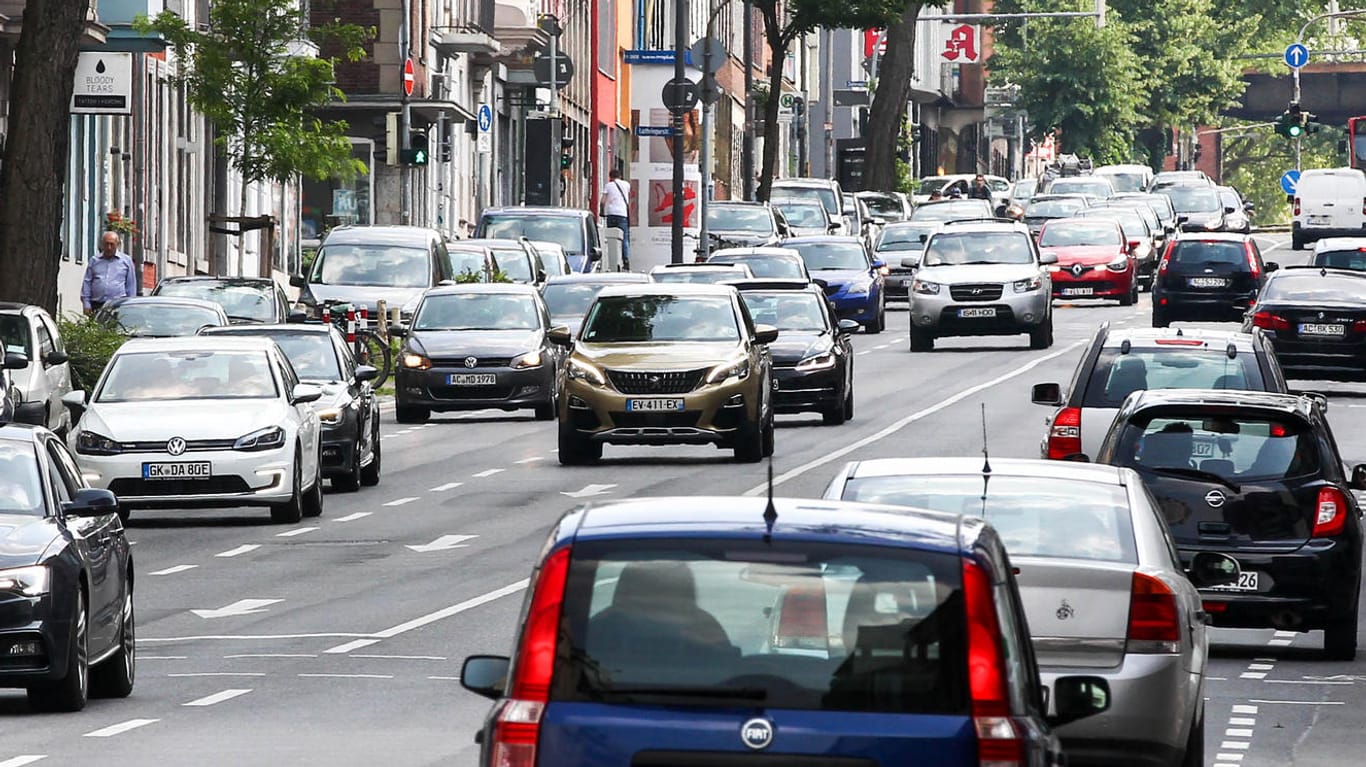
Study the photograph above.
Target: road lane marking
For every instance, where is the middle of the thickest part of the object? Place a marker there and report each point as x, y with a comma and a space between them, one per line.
162, 657
865, 351
1240, 721
1303, 681
439, 678
1252, 675
1301, 702
487, 473
270, 655
1244, 709
218, 697
401, 501
905, 421
444, 543
353, 517
532, 459
1260, 667
121, 727
190, 674
400, 657
1233, 732
243, 549
445, 487
167, 571
347, 676
201, 637
20, 761
455, 609
240, 607
296, 531
1235, 745
342, 649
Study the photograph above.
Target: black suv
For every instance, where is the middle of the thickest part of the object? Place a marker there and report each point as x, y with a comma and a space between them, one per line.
1256, 476
1209, 276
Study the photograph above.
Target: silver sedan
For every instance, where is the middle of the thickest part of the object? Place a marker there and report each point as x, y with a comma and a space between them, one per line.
1102, 586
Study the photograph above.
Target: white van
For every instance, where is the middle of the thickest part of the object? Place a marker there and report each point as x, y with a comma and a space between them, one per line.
1329, 202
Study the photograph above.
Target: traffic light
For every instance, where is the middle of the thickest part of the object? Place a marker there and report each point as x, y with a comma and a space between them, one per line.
1311, 123
417, 153
1291, 122
566, 152
1195, 153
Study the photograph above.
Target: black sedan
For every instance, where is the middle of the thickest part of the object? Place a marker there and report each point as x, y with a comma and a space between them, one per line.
568, 296
66, 578
1316, 321
813, 359
244, 299
161, 316
348, 409
477, 346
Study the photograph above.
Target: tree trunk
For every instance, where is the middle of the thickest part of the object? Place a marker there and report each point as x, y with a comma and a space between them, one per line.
1155, 140
771, 142
37, 150
888, 110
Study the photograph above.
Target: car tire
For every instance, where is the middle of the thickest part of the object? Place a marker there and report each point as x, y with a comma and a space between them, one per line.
749, 443
313, 499
836, 414
1161, 319
115, 676
1340, 639
350, 481
849, 405
768, 436
290, 511
575, 450
1195, 743
1042, 336
546, 411
369, 473
71, 692
1130, 298
921, 340
404, 414
1296, 240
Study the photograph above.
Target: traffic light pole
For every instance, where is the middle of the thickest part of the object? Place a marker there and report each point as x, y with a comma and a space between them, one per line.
405, 210
680, 47
556, 132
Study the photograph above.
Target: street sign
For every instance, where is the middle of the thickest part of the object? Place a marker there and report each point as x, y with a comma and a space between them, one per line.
485, 118
851, 98
564, 70
679, 97
661, 131
710, 51
407, 77
709, 91
1289, 180
104, 83
1296, 56
856, 84
638, 56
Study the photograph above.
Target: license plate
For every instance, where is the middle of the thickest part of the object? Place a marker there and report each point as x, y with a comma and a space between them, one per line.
654, 405
1078, 291
977, 312
1320, 220
1321, 329
182, 470
1208, 282
471, 379
1247, 581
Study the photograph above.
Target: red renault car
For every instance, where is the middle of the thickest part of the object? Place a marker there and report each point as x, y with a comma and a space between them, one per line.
1094, 260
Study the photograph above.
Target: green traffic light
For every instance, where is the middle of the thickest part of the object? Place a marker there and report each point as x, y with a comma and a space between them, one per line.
1294, 131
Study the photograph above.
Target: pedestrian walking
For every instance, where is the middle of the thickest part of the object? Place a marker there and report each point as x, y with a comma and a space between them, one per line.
109, 276
616, 207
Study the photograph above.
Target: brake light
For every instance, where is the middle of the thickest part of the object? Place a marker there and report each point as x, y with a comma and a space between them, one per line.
999, 743
1269, 321
1064, 435
1252, 261
518, 728
1359, 326
1363, 206
802, 621
1166, 258
1330, 512
1297, 206
1154, 620
1178, 342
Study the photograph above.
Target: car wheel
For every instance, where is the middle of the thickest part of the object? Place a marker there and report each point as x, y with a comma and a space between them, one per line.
1195, 743
768, 436
291, 511
749, 443
1130, 298
1161, 318
921, 340
546, 411
114, 677
575, 450
849, 405
1296, 241
71, 692
411, 414
313, 501
350, 481
836, 414
1340, 639
1042, 336
369, 474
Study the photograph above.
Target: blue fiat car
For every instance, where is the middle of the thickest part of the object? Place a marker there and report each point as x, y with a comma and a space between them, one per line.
711, 631
852, 279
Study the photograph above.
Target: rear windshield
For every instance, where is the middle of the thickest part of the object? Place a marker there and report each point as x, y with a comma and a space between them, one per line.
1196, 252
949, 211
467, 262
1116, 375
740, 218
565, 231
1053, 208
798, 214
1126, 182
1098, 187
1354, 259
823, 194
1309, 286
312, 354
697, 276
1232, 447
764, 266
831, 255
515, 265
155, 319
809, 626
887, 208
570, 297
1034, 516
239, 301
904, 237
1193, 199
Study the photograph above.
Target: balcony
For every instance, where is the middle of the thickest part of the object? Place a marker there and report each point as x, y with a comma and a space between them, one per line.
514, 24
471, 29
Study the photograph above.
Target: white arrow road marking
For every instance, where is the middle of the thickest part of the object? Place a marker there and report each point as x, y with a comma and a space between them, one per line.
401, 501
240, 607
445, 487
488, 472
167, 571
353, 517
443, 543
243, 549
218, 697
115, 729
20, 761
588, 491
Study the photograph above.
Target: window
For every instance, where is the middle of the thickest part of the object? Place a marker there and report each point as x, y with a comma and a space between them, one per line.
607, 37
20, 487
1116, 375
45, 345
1236, 448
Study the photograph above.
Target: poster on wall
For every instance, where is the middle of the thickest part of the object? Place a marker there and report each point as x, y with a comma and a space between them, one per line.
652, 157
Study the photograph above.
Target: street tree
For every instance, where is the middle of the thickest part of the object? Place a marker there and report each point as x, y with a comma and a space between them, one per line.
788, 20
251, 72
37, 150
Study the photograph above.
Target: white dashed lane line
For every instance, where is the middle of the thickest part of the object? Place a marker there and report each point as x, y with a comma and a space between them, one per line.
346, 676
243, 549
353, 517
120, 728
357, 644
218, 697
217, 673
401, 501
488, 473
20, 761
167, 571
446, 487
532, 459
295, 531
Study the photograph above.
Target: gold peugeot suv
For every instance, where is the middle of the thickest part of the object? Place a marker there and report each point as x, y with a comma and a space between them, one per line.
661, 364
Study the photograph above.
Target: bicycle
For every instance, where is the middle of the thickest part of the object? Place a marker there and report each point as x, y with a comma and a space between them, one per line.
369, 347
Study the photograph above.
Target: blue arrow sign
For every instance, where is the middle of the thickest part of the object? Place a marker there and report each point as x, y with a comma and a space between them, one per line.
485, 118
1289, 180
1296, 55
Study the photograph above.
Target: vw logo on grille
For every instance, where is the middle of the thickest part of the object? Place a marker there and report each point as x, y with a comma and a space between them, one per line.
757, 733
1215, 498
1077, 270
471, 362
175, 445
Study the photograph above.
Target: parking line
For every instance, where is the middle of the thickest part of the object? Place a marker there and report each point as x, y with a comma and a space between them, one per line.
218, 697
296, 531
243, 549
487, 473
353, 517
121, 727
20, 761
445, 487
167, 571
401, 501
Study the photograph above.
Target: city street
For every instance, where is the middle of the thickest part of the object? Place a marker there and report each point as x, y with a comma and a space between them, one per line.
339, 640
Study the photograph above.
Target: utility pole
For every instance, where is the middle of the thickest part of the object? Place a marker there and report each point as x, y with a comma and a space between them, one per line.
680, 47
827, 100
747, 151
405, 122
556, 131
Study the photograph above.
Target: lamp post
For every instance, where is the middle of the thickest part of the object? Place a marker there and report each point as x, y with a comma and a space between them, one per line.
704, 164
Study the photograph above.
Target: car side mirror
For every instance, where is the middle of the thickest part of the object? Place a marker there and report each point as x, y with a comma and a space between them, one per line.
1229, 209
1182, 219
485, 675
55, 358
76, 400
877, 221
540, 275
1210, 568
1249, 207
848, 326
297, 280
1077, 697
595, 254
560, 336
910, 262
366, 373
820, 283
296, 316
1271, 266
833, 228
924, 238
398, 331
15, 361
765, 334
1077, 458
1048, 258
1047, 394
305, 393
878, 263
1359, 477
91, 502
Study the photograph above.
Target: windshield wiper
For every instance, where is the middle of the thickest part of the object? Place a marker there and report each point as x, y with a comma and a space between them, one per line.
1195, 474
688, 691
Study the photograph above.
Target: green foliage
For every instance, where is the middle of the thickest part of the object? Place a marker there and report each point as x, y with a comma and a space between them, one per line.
89, 345
467, 276
1253, 163
240, 74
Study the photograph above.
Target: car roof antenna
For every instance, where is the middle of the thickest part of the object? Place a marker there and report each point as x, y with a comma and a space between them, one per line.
770, 511
986, 459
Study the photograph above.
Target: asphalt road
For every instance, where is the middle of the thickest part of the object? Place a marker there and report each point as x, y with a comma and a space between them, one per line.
338, 640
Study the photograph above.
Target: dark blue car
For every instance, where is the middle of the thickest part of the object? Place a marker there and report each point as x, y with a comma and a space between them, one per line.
701, 631
851, 278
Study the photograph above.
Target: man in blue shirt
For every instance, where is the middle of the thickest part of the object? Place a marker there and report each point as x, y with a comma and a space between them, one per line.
109, 276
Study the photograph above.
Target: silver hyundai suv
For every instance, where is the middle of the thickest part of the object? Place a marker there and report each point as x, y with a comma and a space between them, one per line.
982, 278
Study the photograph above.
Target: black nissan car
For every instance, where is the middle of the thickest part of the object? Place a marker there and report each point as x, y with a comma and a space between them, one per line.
813, 358
1257, 476
1208, 276
1315, 319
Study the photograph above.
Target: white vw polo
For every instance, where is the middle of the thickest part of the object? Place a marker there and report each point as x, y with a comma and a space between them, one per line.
201, 422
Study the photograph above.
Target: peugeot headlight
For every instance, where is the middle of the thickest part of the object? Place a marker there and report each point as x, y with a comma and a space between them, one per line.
528, 360
859, 288
817, 362
1027, 284
262, 439
25, 581
925, 287
578, 370
416, 361
738, 369
91, 443
1119, 264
